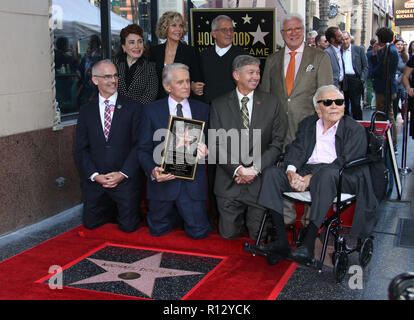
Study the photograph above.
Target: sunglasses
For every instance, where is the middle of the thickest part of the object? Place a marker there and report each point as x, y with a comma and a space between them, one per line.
328, 102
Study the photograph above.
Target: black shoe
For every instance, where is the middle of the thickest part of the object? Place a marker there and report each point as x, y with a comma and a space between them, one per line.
275, 248
301, 255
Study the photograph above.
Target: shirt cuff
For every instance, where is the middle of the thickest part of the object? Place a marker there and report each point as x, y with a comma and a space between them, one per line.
92, 177
291, 168
235, 174
123, 174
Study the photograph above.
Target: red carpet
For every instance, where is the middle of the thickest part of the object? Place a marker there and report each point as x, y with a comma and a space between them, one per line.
237, 275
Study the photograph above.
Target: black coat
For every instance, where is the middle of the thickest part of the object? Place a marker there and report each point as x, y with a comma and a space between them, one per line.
185, 54
351, 144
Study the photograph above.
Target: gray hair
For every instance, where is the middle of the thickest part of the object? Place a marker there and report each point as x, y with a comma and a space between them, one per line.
312, 33
97, 65
169, 68
293, 16
214, 23
323, 89
244, 60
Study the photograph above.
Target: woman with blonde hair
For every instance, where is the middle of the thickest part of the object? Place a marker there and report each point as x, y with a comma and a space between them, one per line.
172, 27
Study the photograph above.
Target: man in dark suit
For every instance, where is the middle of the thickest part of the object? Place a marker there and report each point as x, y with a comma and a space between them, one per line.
254, 123
356, 71
324, 142
106, 138
216, 67
165, 192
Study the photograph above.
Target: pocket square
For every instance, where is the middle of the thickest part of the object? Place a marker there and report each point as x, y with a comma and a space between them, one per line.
310, 68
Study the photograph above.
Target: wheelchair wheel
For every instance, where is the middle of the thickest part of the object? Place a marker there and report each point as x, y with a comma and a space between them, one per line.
402, 287
365, 252
340, 266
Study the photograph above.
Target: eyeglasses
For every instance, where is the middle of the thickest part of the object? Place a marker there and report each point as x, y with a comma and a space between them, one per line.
290, 30
328, 102
108, 76
226, 30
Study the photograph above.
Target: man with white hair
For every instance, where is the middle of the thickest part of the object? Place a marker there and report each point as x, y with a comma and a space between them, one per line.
324, 143
293, 74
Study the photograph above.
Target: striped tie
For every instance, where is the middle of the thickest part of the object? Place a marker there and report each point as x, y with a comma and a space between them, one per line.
107, 118
245, 112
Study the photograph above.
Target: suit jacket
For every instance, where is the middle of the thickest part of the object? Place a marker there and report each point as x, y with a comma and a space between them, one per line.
314, 71
267, 116
185, 54
144, 84
94, 153
350, 143
359, 63
155, 116
334, 64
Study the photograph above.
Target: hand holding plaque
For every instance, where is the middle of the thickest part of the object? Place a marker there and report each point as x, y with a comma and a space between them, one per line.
183, 147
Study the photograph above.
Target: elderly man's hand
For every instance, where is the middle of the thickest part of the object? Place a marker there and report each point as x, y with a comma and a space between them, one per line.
297, 182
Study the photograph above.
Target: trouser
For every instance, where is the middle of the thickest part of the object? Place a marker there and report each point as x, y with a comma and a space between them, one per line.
97, 205
162, 216
380, 98
235, 217
353, 96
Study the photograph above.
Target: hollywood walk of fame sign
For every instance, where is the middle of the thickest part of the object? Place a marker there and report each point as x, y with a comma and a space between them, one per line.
139, 272
254, 29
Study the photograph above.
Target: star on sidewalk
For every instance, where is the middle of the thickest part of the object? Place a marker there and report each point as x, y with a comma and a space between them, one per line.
246, 19
259, 35
140, 275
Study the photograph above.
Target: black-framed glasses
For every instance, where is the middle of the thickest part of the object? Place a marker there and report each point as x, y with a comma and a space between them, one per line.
108, 76
328, 102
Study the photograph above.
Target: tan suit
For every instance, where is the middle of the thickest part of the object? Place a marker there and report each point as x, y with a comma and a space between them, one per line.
314, 71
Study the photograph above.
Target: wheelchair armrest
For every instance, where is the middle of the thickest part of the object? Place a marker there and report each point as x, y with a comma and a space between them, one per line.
357, 163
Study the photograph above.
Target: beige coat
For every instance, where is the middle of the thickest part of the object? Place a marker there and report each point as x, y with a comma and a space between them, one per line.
314, 71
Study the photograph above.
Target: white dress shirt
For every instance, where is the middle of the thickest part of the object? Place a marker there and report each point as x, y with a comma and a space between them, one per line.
347, 57
101, 101
172, 104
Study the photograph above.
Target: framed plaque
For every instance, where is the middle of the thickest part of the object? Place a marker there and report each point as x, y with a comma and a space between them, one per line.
180, 148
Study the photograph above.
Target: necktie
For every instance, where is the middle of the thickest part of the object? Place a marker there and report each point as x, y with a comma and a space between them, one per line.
107, 118
290, 73
245, 112
180, 110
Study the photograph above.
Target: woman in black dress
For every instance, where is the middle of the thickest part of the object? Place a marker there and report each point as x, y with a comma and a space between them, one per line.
137, 75
171, 27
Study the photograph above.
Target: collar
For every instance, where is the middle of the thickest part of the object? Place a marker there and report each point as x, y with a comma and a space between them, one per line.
222, 51
298, 50
240, 95
112, 99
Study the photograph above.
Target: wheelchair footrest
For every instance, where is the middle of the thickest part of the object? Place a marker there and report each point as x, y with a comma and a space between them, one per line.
253, 249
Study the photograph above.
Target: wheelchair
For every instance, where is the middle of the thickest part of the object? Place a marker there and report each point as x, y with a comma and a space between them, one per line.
333, 223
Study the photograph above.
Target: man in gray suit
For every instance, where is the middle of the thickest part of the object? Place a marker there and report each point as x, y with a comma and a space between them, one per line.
312, 70
334, 37
355, 70
250, 130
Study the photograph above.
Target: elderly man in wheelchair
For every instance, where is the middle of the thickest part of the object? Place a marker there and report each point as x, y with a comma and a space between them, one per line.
324, 143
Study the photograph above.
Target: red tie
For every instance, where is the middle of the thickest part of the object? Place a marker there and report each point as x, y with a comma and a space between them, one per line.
290, 73
107, 118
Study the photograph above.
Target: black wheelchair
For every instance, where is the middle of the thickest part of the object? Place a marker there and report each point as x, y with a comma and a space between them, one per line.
333, 224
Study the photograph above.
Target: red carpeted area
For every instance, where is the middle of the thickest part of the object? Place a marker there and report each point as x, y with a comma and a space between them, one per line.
240, 276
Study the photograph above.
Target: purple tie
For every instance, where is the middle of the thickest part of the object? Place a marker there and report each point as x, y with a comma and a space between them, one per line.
107, 118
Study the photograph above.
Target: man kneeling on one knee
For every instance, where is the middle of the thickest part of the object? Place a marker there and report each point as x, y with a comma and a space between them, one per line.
324, 143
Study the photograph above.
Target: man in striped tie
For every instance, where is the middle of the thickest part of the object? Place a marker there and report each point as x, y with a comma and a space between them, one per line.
106, 138
260, 124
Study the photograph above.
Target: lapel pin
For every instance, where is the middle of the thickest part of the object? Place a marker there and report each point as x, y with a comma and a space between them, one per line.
119, 106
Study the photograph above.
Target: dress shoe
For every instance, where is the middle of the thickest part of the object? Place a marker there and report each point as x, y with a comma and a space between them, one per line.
275, 248
301, 255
